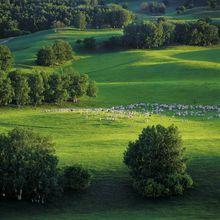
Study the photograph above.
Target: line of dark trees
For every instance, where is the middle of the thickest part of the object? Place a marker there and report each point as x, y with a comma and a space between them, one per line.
56, 54
37, 88
154, 34
24, 16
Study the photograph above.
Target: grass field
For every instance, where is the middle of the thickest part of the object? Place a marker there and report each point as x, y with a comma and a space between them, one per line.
99, 145
181, 74
178, 74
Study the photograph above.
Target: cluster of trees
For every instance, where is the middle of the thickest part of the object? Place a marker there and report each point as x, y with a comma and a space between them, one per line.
154, 7
162, 33
22, 16
157, 164
29, 169
36, 88
56, 54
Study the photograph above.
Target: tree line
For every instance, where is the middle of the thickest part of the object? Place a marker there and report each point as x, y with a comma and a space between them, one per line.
24, 16
155, 34
37, 88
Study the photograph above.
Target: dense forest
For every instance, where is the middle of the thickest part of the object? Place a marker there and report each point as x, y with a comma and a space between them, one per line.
23, 16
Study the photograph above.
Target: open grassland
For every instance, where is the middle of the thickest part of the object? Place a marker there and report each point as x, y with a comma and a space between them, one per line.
181, 74
89, 138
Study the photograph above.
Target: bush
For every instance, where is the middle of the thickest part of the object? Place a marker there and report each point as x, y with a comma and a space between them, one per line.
28, 166
92, 89
75, 178
46, 56
157, 164
90, 43
6, 58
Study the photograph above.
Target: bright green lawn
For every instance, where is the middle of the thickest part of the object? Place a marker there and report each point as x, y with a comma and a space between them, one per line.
181, 74
99, 145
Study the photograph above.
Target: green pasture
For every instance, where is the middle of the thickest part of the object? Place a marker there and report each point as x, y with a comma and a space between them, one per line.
178, 74
91, 139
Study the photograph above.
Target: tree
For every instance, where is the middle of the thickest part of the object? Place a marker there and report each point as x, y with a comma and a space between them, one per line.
143, 35
58, 93
157, 164
28, 166
21, 88
75, 178
36, 84
46, 56
6, 91
212, 3
92, 89
6, 58
62, 51
80, 21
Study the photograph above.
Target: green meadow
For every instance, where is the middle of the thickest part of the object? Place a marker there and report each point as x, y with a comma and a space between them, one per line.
177, 74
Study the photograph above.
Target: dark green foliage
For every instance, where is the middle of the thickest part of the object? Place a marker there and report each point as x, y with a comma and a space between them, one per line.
21, 88
36, 84
19, 17
75, 178
46, 56
157, 164
212, 3
6, 58
154, 7
92, 89
62, 51
80, 21
180, 9
89, 43
144, 35
6, 91
197, 33
57, 92
38, 88
28, 166
163, 33
56, 54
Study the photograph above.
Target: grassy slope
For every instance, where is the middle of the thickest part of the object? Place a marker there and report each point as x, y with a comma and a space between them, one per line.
176, 74
99, 145
190, 14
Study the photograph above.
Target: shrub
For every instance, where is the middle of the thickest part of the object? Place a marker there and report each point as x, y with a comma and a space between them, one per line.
157, 164
75, 178
90, 43
6, 58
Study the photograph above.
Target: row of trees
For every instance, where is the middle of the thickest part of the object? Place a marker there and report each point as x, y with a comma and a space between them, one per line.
163, 33
22, 16
29, 169
154, 7
28, 166
56, 54
36, 88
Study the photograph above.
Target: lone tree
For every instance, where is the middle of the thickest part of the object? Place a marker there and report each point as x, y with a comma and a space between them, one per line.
157, 163
6, 58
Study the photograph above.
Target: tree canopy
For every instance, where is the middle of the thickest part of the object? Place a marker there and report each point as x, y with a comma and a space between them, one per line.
156, 162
